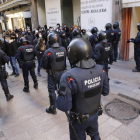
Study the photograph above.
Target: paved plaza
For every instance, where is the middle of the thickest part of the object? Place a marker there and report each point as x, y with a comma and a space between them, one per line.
24, 117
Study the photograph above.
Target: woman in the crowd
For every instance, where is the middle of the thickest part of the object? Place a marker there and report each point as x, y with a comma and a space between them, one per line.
40, 47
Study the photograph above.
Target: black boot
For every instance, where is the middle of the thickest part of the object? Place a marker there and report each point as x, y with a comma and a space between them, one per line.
7, 94
26, 89
36, 85
52, 108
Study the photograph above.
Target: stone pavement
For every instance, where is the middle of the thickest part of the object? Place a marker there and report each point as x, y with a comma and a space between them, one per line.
24, 117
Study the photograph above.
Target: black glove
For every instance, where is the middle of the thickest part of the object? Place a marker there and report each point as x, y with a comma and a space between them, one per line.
128, 41
132, 38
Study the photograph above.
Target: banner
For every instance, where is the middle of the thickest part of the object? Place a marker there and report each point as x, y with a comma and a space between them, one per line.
53, 12
95, 13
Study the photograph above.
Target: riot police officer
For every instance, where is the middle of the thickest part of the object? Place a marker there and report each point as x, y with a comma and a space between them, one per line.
110, 39
93, 39
80, 90
54, 61
3, 76
27, 55
136, 41
117, 36
102, 51
76, 34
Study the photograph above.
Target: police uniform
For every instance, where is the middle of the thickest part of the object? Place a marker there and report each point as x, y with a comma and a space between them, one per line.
117, 36
76, 34
54, 61
102, 51
110, 39
136, 41
3, 76
93, 39
101, 54
80, 91
27, 55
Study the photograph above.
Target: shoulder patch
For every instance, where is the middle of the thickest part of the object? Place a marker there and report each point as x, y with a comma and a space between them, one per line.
49, 54
70, 79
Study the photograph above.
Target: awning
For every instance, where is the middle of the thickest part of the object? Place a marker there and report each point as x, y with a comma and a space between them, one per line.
131, 3
12, 4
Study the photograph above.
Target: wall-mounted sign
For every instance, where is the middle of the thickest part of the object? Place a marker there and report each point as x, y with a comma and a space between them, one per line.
53, 12
95, 13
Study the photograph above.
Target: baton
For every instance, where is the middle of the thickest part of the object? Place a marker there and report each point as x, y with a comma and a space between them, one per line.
72, 127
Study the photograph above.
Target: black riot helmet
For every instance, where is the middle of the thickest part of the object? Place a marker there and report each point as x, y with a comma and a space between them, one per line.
108, 26
94, 30
53, 39
24, 41
76, 32
115, 25
79, 49
138, 26
101, 36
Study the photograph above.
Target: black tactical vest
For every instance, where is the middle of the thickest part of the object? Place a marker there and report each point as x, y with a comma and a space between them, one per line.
119, 32
89, 83
110, 35
58, 61
105, 51
28, 53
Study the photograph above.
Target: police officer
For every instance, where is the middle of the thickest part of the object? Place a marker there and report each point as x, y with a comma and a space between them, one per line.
102, 51
27, 55
76, 34
93, 39
110, 39
117, 36
54, 61
3, 76
80, 90
136, 41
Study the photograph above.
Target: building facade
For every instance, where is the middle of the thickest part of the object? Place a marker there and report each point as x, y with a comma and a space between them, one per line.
84, 13
18, 14
130, 18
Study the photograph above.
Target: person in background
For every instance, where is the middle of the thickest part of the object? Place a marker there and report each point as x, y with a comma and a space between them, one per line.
45, 26
34, 30
14, 47
66, 29
84, 34
29, 36
9, 52
64, 40
35, 41
40, 48
71, 33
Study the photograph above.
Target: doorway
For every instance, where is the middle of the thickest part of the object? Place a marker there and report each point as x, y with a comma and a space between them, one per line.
28, 23
67, 12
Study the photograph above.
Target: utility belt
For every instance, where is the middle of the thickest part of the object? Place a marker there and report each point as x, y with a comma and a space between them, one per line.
81, 119
102, 62
55, 72
33, 61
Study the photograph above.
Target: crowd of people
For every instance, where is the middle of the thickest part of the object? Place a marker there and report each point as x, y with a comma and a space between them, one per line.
79, 87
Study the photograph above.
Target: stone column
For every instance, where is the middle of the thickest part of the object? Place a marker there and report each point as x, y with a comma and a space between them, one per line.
34, 15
